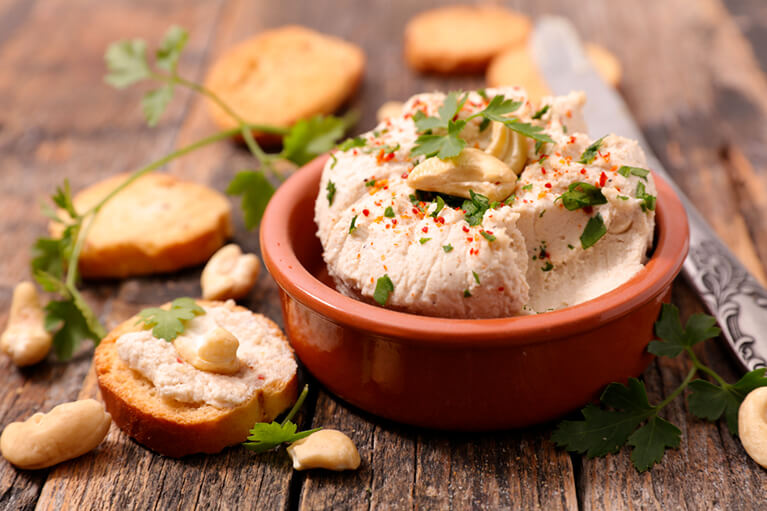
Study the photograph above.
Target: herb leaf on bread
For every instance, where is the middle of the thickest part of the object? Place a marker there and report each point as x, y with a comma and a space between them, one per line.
626, 416
265, 436
169, 323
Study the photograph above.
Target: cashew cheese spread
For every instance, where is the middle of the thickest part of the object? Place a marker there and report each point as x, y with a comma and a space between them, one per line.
260, 345
526, 214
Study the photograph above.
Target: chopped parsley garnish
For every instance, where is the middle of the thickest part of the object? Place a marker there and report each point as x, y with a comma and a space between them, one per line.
475, 208
352, 226
440, 205
547, 267
590, 154
413, 199
466, 293
423, 240
476, 276
564, 128
384, 287
510, 199
543, 212
625, 170
540, 113
484, 124
390, 149
168, 323
335, 161
372, 182
489, 237
580, 195
570, 246
441, 146
623, 197
331, 188
528, 187
350, 143
538, 146
595, 229
447, 248
389, 212
648, 201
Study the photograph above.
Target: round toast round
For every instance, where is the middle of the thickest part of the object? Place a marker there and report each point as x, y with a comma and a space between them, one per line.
176, 428
157, 224
283, 75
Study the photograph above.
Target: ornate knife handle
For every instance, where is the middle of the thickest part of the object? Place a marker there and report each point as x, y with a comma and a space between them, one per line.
729, 291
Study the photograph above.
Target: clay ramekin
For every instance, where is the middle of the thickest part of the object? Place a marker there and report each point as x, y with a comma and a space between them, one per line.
461, 374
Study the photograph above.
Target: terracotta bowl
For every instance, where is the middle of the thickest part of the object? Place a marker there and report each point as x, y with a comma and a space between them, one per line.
461, 374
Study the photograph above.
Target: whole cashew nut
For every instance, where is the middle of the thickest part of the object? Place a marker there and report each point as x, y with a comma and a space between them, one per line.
327, 448
229, 274
69, 430
508, 146
25, 339
752, 425
215, 352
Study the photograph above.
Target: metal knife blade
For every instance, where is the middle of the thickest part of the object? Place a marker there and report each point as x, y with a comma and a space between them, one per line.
730, 292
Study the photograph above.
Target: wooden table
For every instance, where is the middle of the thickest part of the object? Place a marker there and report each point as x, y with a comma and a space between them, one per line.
694, 78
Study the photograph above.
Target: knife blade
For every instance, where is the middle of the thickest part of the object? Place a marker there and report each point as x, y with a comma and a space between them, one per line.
729, 291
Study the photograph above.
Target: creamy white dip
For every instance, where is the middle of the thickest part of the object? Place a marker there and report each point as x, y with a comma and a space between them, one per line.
263, 354
442, 266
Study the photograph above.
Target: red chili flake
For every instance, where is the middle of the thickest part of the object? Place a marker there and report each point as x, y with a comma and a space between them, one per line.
547, 185
489, 232
379, 158
366, 212
394, 222
500, 289
388, 226
569, 114
587, 209
404, 175
543, 171
439, 220
425, 229
388, 157
469, 239
602, 179
583, 170
261, 377
415, 211
355, 152
465, 229
179, 360
572, 139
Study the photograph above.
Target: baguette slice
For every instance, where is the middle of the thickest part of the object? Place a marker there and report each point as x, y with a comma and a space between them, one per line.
175, 428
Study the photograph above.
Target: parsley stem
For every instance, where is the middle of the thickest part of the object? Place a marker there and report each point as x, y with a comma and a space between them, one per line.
698, 364
678, 390
297, 406
82, 234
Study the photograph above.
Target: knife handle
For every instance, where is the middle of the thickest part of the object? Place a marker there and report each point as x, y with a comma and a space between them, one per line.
730, 292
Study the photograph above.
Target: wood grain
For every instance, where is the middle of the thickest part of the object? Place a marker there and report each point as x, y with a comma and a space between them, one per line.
694, 77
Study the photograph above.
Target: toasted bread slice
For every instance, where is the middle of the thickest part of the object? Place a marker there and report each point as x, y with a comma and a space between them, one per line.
175, 428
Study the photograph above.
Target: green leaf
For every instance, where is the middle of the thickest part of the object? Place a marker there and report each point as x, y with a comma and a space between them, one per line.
50, 256
476, 276
440, 205
499, 107
541, 112
127, 63
441, 146
168, 323
447, 248
651, 441
389, 212
489, 237
353, 225
384, 287
350, 143
265, 436
423, 240
625, 170
170, 49
424, 123
590, 154
581, 195
604, 431
154, 102
256, 191
710, 402
63, 199
69, 326
475, 208
593, 232
309, 138
674, 338
648, 201
528, 130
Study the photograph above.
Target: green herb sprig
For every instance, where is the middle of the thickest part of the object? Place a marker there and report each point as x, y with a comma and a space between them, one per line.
169, 323
626, 417
54, 262
265, 436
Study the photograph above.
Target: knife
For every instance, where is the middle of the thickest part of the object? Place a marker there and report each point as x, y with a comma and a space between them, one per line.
730, 292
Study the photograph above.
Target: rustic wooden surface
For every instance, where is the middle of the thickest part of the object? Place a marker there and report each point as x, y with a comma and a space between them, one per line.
694, 76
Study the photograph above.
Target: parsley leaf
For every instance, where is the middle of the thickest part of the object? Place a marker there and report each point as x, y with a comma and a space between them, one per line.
389, 212
331, 195
63, 199
168, 323
447, 248
423, 240
475, 208
265, 436
71, 326
581, 195
498, 107
541, 112
170, 48
547, 267
625, 170
353, 225
489, 237
154, 102
440, 205
309, 138
256, 191
351, 143
441, 146
528, 130
476, 276
127, 63
651, 441
648, 201
384, 287
710, 402
699, 328
593, 232
590, 154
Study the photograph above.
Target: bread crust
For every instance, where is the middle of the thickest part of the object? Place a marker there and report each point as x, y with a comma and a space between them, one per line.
462, 38
173, 428
157, 224
283, 75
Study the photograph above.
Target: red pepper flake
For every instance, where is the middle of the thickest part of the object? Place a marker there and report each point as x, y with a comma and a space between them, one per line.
179, 360
394, 222
587, 209
355, 152
469, 239
425, 229
547, 185
405, 175
388, 226
583, 170
465, 229
440, 220
543, 171
500, 289
569, 114
366, 212
572, 139
261, 377
602, 179
415, 211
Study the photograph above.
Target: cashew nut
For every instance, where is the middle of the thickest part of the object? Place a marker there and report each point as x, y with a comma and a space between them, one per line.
45, 439
215, 352
25, 339
472, 169
327, 448
752, 425
229, 274
508, 146
389, 109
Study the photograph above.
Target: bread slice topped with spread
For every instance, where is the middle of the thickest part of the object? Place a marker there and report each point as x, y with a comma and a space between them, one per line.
226, 370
